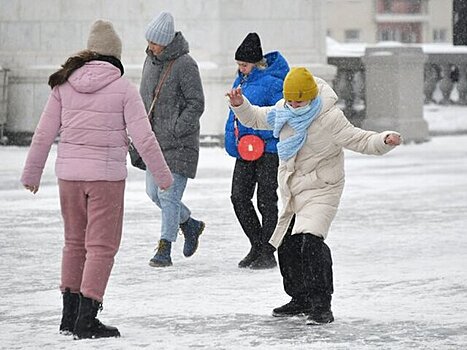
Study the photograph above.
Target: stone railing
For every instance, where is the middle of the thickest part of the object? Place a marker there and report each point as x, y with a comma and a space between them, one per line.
445, 80
445, 77
349, 85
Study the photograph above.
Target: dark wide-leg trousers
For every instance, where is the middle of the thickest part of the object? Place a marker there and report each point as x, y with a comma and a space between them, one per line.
306, 266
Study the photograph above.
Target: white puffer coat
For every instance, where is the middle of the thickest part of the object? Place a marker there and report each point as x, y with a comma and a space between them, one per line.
312, 181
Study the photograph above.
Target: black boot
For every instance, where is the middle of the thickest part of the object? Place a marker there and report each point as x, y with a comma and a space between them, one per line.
318, 317
87, 325
252, 255
293, 308
162, 257
69, 312
266, 259
321, 312
191, 229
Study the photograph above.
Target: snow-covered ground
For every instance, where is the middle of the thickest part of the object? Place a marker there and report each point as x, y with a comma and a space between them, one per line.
445, 120
399, 244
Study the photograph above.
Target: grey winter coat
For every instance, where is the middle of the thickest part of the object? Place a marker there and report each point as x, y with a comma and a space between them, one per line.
175, 118
311, 182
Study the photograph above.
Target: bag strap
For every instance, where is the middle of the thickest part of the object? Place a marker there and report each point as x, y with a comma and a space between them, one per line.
235, 121
159, 87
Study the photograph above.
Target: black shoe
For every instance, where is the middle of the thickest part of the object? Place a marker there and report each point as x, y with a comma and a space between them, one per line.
70, 312
320, 317
87, 326
266, 260
252, 255
293, 308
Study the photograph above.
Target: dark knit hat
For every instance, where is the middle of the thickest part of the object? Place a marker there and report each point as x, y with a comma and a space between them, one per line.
104, 40
250, 49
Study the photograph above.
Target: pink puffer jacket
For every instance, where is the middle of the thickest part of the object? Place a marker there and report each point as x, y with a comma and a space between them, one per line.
91, 114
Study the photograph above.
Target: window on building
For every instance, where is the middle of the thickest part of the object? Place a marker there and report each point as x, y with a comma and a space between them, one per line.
352, 35
408, 37
401, 6
387, 6
388, 35
440, 35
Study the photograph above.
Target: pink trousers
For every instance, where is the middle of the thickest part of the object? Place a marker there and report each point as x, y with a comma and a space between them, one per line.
93, 216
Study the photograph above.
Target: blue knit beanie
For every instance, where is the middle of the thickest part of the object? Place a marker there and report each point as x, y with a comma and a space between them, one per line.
161, 29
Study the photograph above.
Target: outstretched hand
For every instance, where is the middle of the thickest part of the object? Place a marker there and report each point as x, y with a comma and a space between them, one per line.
32, 188
235, 96
393, 139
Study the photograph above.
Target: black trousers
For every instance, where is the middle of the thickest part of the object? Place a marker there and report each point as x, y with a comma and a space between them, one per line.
306, 266
261, 173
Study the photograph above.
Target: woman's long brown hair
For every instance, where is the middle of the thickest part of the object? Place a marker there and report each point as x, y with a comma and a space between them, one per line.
71, 64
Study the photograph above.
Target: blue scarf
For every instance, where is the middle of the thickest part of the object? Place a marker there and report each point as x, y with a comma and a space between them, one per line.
299, 121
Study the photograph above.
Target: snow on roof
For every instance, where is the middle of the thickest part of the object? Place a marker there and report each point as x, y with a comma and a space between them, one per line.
337, 49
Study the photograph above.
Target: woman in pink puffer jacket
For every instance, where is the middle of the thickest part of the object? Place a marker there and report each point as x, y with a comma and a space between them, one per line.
92, 108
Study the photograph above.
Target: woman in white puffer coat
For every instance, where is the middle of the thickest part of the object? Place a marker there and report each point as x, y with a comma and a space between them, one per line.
312, 134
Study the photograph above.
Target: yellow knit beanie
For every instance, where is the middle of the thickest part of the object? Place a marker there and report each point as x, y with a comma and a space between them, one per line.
299, 85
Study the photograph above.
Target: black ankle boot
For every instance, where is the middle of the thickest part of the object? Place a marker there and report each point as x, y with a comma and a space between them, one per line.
162, 257
293, 308
265, 260
320, 316
87, 325
252, 255
321, 312
69, 312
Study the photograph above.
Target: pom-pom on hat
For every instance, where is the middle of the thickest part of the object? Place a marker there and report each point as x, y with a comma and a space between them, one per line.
161, 29
299, 85
250, 49
104, 40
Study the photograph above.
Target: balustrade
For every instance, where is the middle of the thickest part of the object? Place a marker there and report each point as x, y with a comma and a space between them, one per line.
445, 80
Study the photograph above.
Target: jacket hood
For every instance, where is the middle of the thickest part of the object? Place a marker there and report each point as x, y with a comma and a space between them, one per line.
277, 67
93, 76
328, 96
178, 47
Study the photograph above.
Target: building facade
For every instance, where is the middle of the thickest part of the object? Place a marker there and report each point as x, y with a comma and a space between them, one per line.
36, 37
405, 21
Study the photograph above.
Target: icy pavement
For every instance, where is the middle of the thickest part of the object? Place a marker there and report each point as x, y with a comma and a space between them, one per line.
399, 245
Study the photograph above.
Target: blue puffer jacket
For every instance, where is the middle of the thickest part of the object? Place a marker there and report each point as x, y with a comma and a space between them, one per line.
262, 87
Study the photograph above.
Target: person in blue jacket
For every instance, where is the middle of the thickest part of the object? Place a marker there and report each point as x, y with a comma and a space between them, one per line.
261, 79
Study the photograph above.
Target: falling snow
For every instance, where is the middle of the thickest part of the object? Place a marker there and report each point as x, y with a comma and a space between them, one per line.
399, 246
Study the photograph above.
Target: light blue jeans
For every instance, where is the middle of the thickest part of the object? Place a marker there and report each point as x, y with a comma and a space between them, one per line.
174, 212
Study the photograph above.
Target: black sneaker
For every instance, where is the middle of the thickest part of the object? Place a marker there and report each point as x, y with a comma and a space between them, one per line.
293, 308
320, 317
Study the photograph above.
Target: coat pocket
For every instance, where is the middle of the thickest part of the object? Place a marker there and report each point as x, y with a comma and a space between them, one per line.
303, 182
330, 174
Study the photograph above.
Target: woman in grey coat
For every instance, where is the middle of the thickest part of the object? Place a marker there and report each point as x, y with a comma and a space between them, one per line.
175, 121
